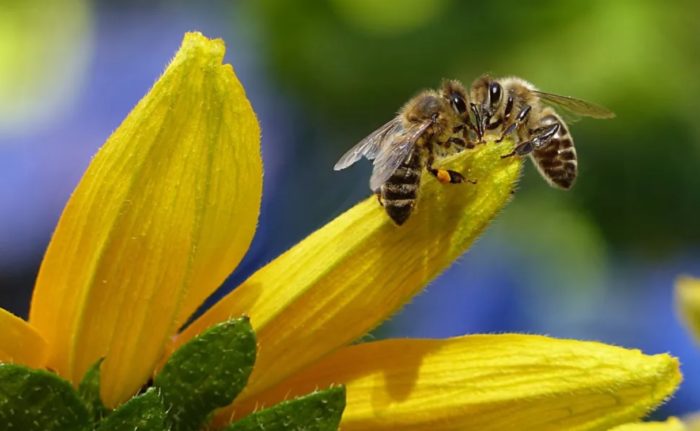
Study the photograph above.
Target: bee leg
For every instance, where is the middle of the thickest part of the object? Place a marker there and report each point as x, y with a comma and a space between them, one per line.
519, 121
471, 133
379, 198
447, 176
457, 178
478, 129
541, 137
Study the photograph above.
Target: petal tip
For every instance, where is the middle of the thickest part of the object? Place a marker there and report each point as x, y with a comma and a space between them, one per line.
670, 366
196, 42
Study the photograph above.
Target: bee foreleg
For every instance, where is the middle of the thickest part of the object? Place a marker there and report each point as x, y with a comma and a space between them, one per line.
540, 138
519, 120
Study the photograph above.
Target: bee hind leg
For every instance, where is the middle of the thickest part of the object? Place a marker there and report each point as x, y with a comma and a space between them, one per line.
378, 194
540, 138
447, 176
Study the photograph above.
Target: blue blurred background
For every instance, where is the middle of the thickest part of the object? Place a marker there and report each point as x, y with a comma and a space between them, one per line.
596, 263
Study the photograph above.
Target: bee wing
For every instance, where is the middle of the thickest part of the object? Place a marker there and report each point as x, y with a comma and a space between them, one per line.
393, 153
371, 145
576, 106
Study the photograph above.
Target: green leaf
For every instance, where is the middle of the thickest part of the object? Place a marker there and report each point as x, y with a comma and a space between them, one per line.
207, 372
89, 391
38, 400
143, 413
319, 411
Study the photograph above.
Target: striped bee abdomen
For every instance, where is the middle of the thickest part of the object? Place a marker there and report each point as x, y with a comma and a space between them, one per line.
399, 193
557, 160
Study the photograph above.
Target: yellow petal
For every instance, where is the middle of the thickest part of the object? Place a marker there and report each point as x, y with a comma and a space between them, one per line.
688, 303
350, 275
692, 421
20, 343
487, 382
165, 211
671, 424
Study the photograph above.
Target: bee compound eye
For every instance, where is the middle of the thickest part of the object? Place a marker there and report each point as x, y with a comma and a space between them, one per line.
494, 93
459, 104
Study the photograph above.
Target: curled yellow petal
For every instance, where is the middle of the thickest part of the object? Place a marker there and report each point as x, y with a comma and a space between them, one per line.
164, 212
350, 275
486, 382
671, 424
688, 303
20, 343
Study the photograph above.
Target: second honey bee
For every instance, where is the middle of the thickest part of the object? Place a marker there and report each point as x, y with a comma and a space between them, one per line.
514, 106
432, 125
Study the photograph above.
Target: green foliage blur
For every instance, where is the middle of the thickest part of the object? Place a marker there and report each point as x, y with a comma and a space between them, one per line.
36, 39
353, 63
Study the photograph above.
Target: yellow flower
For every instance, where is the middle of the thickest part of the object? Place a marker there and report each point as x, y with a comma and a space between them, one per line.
688, 303
688, 307
167, 209
692, 421
671, 424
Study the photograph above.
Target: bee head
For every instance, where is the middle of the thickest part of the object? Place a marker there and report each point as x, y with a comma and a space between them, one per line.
427, 107
490, 93
455, 94
483, 94
495, 95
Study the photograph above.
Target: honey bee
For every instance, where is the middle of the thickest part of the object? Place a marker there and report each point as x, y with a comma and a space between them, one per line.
512, 105
431, 125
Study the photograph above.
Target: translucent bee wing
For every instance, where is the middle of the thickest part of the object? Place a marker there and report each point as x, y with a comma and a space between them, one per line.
576, 106
569, 117
393, 153
371, 145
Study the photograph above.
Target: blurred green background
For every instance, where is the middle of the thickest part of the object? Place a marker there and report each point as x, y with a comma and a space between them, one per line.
597, 262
